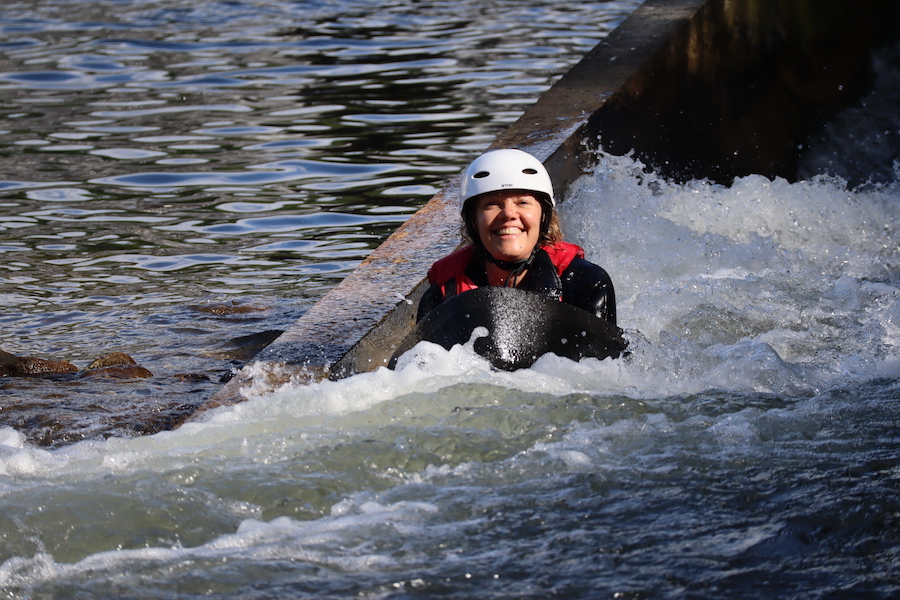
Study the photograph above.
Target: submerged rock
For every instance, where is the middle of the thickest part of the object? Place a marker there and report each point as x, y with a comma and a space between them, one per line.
119, 371
117, 365
116, 358
25, 366
229, 308
192, 377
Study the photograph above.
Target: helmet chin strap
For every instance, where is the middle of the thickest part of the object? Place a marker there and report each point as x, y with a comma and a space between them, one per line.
515, 267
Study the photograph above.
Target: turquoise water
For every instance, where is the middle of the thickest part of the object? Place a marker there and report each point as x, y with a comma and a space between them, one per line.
746, 449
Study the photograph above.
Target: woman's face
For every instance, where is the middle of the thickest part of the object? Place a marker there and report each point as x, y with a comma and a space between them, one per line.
508, 223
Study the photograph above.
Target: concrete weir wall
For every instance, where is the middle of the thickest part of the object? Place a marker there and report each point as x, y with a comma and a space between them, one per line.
696, 88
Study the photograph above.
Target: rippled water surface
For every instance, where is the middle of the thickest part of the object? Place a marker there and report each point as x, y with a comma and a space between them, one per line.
177, 174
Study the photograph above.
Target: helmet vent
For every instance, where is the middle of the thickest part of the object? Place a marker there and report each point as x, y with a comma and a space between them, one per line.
529, 171
481, 174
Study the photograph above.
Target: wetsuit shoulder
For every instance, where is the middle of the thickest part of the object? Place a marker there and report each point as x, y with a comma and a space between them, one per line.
588, 286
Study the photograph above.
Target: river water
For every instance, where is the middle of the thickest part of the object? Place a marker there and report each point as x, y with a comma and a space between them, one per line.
747, 448
178, 174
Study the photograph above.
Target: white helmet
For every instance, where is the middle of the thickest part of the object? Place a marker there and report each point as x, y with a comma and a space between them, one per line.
505, 169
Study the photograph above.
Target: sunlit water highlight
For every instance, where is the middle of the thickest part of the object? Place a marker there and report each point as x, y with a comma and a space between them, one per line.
746, 449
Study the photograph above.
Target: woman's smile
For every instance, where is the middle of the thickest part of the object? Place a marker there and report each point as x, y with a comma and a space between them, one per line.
509, 231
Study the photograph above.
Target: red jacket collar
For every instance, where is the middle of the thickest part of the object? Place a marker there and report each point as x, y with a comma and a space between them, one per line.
454, 265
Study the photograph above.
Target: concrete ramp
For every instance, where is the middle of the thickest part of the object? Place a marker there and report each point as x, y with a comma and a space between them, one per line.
697, 89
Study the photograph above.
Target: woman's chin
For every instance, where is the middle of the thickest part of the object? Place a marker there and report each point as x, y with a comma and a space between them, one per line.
509, 250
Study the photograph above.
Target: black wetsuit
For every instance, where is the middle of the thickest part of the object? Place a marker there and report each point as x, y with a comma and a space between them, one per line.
583, 284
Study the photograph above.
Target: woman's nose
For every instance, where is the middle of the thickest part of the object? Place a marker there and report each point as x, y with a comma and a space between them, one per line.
508, 210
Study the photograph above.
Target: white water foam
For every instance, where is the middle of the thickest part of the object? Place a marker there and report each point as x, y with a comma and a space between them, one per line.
763, 285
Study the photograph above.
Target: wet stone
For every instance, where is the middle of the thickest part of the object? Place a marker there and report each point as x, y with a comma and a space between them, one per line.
116, 358
119, 371
15, 366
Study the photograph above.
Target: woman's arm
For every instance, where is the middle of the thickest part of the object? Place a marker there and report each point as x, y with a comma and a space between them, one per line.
588, 286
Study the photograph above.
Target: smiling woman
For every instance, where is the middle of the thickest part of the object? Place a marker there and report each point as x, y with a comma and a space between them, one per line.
509, 216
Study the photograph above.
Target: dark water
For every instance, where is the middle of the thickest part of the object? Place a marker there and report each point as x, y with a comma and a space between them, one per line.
748, 448
179, 174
